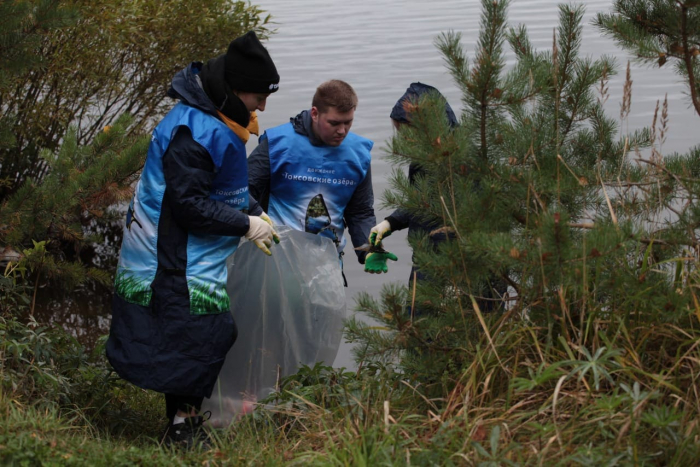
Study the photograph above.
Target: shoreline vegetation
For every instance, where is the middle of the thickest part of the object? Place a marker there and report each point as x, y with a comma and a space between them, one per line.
592, 360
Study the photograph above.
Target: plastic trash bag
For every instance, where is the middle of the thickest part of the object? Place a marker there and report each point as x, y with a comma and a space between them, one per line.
289, 309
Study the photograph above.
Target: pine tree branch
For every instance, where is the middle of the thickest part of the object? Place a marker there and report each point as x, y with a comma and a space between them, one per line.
688, 59
575, 106
664, 169
634, 184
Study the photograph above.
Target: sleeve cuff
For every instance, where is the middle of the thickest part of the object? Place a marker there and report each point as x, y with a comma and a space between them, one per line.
393, 223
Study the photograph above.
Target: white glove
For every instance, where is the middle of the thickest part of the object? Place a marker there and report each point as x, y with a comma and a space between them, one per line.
378, 232
275, 235
260, 233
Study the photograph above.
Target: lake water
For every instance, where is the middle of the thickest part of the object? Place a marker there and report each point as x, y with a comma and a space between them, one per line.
380, 47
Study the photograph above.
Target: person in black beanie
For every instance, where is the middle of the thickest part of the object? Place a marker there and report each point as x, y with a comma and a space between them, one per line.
171, 327
248, 74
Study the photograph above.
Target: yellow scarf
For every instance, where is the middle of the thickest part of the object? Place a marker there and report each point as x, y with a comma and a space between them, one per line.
243, 133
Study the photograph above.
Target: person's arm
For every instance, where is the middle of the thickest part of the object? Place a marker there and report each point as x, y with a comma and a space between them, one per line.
254, 208
259, 173
359, 214
189, 173
400, 219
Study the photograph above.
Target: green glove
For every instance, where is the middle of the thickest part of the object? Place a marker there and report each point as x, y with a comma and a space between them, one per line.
379, 232
375, 263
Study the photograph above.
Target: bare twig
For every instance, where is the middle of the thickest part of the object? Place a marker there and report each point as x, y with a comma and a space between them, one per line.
607, 199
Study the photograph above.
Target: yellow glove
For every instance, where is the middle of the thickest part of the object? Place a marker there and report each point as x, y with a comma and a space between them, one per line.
379, 232
267, 219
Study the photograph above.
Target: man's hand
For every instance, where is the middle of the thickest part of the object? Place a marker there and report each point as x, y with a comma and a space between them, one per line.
267, 219
379, 232
375, 263
260, 233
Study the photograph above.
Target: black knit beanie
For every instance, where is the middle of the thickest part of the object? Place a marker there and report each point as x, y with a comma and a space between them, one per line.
249, 67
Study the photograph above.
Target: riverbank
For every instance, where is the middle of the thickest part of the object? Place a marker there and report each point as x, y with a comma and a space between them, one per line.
61, 406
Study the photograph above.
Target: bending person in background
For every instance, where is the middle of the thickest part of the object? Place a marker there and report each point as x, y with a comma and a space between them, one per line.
171, 326
314, 175
400, 219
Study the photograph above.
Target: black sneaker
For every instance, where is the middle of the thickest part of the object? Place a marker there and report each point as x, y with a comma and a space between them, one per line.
187, 434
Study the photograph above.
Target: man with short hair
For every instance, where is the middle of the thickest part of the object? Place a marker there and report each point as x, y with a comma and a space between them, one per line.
313, 174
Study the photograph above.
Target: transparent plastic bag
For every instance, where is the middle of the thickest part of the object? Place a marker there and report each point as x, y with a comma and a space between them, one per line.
289, 309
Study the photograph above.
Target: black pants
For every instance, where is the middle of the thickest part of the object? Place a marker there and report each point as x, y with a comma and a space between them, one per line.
173, 403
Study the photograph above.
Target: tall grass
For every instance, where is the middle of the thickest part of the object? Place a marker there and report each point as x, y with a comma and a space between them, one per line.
628, 397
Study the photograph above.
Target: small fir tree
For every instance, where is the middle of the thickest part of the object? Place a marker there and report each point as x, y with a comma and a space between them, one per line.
81, 187
538, 189
596, 234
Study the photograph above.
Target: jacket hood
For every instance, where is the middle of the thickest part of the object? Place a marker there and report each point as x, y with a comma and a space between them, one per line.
414, 92
302, 124
187, 87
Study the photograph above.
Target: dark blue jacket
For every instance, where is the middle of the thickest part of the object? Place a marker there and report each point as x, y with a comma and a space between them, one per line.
400, 219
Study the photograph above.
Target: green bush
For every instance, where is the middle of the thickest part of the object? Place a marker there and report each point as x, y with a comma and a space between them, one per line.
47, 368
101, 60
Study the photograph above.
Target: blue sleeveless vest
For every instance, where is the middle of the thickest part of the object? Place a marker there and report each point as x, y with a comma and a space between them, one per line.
300, 172
206, 272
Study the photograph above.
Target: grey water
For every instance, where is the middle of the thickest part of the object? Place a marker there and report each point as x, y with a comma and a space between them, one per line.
381, 46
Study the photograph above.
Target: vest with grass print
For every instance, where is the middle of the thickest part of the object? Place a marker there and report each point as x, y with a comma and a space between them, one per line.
206, 272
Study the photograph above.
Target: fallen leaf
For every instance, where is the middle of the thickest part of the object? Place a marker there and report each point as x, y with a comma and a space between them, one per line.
479, 434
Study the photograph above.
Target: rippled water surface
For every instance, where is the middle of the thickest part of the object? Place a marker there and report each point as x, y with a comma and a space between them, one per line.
380, 47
